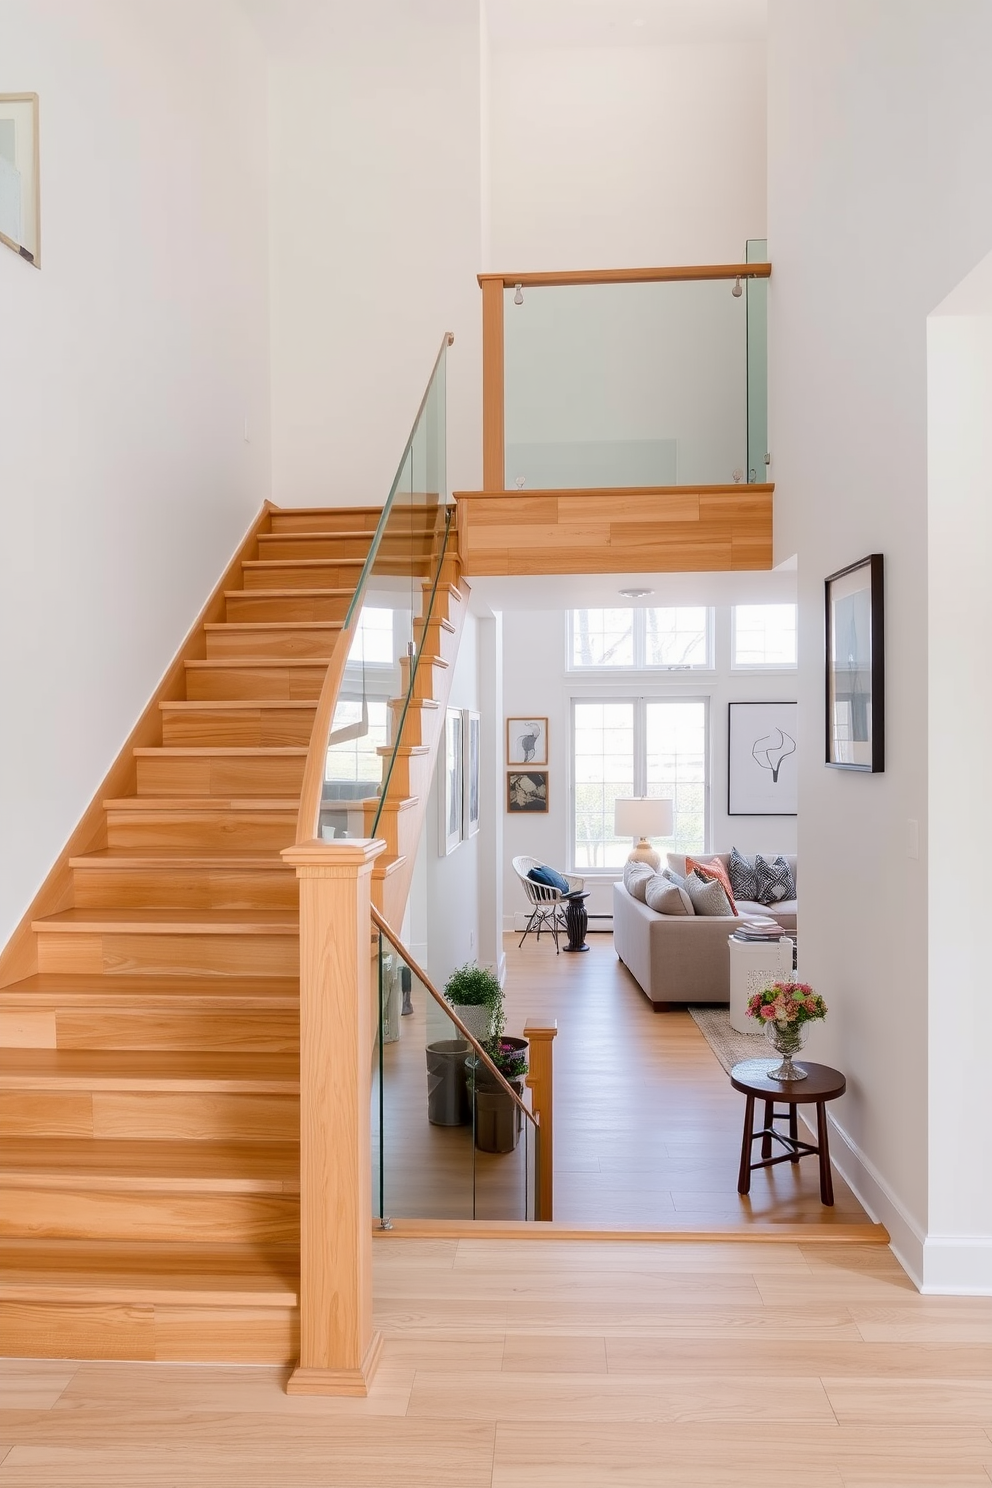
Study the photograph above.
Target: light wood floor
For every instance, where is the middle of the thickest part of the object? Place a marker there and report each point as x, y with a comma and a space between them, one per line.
647, 1127
541, 1364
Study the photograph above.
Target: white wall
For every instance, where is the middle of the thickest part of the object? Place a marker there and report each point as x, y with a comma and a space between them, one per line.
619, 156
535, 682
376, 211
130, 363
880, 131
959, 347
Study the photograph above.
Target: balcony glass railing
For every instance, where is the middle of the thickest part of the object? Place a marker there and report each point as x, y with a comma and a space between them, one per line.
451, 1138
637, 378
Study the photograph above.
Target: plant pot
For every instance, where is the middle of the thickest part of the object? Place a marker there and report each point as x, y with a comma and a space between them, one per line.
497, 1119
475, 1016
447, 1090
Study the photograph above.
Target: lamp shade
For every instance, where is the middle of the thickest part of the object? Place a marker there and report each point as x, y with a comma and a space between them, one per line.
643, 816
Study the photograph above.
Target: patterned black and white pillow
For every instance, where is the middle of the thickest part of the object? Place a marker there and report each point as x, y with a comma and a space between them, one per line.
743, 879
774, 880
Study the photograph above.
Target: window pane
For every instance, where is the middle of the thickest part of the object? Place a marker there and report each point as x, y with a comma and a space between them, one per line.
603, 770
677, 636
676, 766
356, 759
373, 641
765, 635
602, 638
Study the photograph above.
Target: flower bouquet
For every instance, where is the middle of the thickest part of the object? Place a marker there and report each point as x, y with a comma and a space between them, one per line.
784, 1009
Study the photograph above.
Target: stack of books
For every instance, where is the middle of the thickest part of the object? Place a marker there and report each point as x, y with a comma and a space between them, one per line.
758, 928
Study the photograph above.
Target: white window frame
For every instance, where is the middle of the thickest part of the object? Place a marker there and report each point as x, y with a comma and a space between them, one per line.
640, 664
761, 666
640, 701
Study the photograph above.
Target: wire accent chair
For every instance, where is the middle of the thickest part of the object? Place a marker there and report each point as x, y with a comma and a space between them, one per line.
547, 904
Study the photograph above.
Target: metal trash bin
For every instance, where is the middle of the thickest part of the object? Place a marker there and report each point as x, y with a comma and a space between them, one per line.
447, 1091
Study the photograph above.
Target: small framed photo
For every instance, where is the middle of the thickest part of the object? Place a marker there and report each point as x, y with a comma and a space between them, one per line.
20, 211
762, 775
855, 667
526, 791
526, 741
471, 741
450, 834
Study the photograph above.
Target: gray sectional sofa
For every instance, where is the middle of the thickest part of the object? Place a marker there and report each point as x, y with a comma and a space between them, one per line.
678, 959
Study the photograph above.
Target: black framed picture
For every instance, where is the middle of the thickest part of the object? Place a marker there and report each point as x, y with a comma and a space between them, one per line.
855, 671
762, 771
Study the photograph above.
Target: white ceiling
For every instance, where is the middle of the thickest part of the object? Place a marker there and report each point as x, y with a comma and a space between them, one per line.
602, 591
629, 23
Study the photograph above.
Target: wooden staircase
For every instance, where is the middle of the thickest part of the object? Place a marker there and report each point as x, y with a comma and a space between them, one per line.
149, 1003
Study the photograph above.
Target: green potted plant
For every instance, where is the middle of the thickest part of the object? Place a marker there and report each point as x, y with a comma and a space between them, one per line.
477, 997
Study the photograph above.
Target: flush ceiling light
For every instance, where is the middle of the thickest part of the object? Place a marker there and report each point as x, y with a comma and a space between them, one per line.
635, 593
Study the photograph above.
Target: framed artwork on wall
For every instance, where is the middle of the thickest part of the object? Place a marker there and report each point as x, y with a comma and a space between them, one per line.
450, 833
526, 791
855, 667
20, 210
471, 741
762, 775
526, 741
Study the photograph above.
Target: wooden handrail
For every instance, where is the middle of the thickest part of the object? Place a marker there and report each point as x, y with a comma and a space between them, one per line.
421, 975
541, 279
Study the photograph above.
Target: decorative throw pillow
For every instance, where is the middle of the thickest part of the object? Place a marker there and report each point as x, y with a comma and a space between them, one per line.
678, 879
774, 880
550, 877
743, 879
708, 897
635, 878
665, 897
713, 869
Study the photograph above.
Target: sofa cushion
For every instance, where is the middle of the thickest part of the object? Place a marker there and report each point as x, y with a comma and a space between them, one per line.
665, 897
708, 897
784, 911
635, 878
713, 868
676, 878
742, 876
774, 880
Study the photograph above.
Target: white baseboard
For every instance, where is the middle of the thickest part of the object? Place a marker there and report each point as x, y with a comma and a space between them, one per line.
957, 1265
877, 1198
517, 924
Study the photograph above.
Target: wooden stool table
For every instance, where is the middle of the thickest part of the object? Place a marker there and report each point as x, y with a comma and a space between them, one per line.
822, 1084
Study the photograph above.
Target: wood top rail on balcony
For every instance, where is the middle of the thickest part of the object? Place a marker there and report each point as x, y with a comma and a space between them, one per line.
493, 285
545, 278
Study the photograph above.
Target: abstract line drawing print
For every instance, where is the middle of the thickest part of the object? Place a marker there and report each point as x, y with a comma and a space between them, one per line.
527, 741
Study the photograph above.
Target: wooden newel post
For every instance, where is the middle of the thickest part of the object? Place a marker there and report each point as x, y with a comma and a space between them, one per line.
541, 1080
338, 1347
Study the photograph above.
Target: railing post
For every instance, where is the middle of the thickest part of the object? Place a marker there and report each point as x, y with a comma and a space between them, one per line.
493, 450
541, 1080
338, 1347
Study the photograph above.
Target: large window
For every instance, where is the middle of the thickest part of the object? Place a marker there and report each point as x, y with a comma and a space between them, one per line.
636, 747
764, 636
673, 638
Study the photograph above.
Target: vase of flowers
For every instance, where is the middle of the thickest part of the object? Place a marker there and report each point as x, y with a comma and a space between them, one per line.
786, 1009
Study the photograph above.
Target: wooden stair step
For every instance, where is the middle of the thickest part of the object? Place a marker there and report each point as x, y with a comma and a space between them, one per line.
151, 993
160, 878
295, 679
302, 573
271, 639
136, 1273
287, 604
167, 942
387, 864
201, 823
123, 1166
220, 770
264, 723
148, 1070
324, 518
168, 922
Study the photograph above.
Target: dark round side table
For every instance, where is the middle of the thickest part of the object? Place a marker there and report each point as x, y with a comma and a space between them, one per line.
822, 1084
576, 921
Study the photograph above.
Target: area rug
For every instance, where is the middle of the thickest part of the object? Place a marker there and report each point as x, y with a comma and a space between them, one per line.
729, 1046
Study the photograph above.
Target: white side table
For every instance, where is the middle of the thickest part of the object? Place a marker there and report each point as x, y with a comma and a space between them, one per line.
753, 964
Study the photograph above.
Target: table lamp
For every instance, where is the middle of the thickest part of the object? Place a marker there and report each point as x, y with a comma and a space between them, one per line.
643, 817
